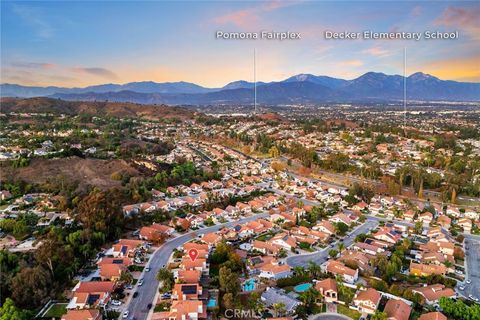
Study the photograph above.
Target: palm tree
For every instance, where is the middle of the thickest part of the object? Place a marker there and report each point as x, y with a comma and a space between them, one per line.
341, 247
309, 297
299, 270
279, 308
314, 269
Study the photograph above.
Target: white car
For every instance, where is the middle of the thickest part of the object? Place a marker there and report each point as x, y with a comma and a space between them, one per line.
147, 269
125, 314
140, 282
461, 288
116, 303
468, 281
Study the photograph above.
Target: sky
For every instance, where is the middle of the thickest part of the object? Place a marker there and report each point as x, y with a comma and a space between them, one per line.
76, 44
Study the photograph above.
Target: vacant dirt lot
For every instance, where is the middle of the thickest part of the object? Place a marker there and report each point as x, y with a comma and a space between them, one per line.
93, 172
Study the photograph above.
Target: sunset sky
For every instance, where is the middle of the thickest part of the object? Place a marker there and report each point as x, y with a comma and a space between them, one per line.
86, 43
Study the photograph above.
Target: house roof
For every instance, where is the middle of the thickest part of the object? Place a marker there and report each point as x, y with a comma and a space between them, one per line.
397, 310
337, 267
369, 295
111, 270
95, 286
435, 292
326, 285
272, 296
85, 314
189, 276
433, 316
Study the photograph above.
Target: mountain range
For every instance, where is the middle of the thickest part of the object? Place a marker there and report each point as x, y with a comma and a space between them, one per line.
301, 88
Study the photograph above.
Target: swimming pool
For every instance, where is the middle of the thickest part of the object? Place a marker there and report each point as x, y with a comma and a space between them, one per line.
249, 285
212, 303
302, 287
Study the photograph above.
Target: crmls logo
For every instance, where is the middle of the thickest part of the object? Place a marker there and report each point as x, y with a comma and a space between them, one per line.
240, 313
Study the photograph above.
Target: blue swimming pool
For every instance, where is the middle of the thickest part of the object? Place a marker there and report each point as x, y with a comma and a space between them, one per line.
212, 303
302, 287
249, 285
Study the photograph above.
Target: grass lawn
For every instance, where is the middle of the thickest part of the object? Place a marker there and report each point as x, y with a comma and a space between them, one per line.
348, 312
56, 311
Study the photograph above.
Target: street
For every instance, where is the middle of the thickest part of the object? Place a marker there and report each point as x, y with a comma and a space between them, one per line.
321, 256
472, 267
146, 293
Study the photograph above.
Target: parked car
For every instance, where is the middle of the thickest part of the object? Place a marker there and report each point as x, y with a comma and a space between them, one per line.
147, 269
468, 281
125, 314
135, 294
116, 303
140, 282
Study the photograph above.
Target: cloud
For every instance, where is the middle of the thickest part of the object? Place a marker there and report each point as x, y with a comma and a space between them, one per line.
34, 17
100, 72
376, 51
465, 19
34, 65
248, 17
351, 63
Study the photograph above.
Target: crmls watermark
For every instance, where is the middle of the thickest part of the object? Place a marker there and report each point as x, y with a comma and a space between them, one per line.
240, 313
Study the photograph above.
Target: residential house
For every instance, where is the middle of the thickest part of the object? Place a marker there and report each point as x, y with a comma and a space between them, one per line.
274, 270
328, 289
91, 294
85, 314
273, 296
424, 270
338, 268
433, 293
187, 291
397, 309
433, 316
367, 301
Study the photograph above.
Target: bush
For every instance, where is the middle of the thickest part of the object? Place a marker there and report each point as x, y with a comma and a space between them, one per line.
292, 281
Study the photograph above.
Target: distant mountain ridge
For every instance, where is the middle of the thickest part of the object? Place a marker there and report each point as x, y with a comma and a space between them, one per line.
301, 88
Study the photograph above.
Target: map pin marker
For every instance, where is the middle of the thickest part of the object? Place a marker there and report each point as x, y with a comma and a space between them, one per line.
193, 253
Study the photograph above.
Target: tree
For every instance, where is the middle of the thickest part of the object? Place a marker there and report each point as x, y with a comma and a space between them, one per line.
309, 297
341, 228
418, 227
254, 302
31, 287
100, 211
341, 246
279, 309
379, 315
8, 311
278, 166
314, 269
228, 280
126, 277
274, 152
228, 300
166, 277
333, 253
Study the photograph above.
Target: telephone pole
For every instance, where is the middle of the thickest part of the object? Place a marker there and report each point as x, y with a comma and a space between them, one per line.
254, 82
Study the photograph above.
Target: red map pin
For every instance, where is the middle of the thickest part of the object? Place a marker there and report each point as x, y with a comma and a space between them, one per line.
193, 253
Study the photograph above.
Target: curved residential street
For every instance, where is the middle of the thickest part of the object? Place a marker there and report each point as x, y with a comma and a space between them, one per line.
321, 256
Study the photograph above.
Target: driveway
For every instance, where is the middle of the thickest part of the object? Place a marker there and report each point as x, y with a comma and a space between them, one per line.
146, 293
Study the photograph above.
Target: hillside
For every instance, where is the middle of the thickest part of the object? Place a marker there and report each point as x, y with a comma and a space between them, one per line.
115, 109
